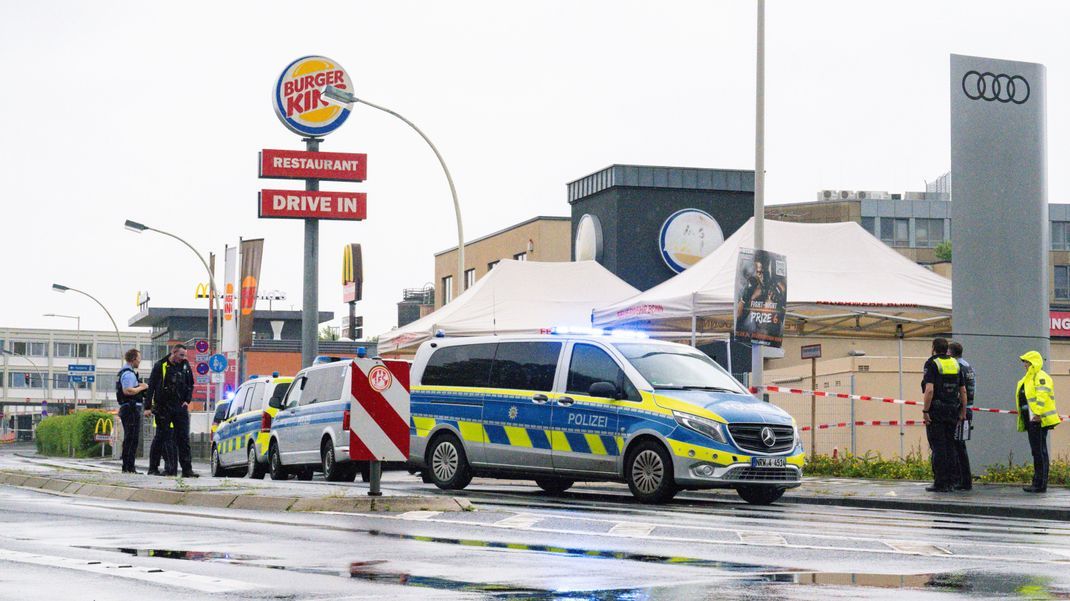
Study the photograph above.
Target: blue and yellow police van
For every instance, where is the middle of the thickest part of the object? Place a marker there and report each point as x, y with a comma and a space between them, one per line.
566, 407
240, 441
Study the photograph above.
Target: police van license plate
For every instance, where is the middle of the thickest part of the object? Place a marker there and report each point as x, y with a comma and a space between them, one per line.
768, 462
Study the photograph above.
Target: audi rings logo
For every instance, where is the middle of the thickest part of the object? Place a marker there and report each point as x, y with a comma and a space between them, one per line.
992, 87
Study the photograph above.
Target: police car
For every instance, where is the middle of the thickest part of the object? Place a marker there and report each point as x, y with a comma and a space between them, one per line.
240, 442
564, 407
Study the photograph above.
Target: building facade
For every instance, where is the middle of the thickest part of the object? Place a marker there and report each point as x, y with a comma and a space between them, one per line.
537, 239
34, 374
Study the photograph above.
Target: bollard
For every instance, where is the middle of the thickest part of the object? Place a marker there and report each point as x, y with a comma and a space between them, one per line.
376, 469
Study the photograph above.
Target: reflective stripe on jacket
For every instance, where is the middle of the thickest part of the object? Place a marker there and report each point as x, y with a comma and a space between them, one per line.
1039, 393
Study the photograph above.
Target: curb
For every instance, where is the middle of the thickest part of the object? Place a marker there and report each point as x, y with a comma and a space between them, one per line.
237, 500
954, 505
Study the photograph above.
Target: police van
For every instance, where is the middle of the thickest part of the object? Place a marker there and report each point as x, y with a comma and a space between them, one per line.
240, 440
565, 407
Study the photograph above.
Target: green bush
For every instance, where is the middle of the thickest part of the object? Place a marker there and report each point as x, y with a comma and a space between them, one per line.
916, 466
64, 435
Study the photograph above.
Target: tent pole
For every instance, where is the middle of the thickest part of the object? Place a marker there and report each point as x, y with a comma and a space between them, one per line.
728, 352
693, 325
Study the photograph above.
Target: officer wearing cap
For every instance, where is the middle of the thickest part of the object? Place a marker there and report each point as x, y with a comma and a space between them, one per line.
130, 394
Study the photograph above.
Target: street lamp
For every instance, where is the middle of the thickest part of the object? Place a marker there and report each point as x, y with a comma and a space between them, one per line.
62, 288
138, 228
344, 97
77, 357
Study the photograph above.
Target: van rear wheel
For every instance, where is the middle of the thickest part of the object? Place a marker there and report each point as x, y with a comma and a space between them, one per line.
332, 470
254, 469
448, 463
648, 471
215, 467
760, 495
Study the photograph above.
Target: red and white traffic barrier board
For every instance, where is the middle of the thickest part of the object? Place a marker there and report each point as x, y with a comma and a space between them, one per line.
887, 422
862, 397
379, 411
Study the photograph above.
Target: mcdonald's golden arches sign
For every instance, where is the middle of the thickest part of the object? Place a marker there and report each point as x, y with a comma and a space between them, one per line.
352, 273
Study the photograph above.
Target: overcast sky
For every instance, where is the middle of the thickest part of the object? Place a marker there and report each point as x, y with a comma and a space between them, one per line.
155, 111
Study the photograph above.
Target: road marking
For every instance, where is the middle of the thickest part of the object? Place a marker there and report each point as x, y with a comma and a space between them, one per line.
418, 515
520, 521
916, 548
206, 584
632, 529
761, 538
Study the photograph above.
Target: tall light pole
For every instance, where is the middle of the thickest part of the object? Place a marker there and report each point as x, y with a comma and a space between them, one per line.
138, 228
759, 171
62, 288
77, 358
342, 96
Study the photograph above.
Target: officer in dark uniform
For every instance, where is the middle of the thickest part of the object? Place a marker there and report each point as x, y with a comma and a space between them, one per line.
962, 434
944, 393
170, 392
130, 394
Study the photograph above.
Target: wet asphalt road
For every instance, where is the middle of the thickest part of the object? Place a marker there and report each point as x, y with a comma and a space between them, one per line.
520, 544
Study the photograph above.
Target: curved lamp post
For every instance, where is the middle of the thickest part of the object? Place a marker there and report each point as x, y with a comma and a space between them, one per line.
344, 97
62, 288
138, 228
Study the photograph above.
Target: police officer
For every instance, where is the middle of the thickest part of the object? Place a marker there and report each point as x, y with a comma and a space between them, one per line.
170, 392
1036, 415
130, 394
962, 434
944, 393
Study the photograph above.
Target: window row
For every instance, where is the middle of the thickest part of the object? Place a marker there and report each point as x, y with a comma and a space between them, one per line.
523, 366
78, 350
895, 231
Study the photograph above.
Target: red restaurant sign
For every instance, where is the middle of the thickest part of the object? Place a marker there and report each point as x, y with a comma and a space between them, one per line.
298, 164
302, 204
1060, 323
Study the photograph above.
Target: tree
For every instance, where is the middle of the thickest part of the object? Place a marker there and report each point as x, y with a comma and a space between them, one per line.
943, 251
328, 333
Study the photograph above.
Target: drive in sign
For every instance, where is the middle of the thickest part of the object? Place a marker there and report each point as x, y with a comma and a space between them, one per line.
302, 204
299, 164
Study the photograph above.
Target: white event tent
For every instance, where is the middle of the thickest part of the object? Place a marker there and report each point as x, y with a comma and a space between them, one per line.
841, 281
518, 297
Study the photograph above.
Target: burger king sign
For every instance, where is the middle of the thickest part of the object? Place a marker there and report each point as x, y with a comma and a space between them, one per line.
297, 96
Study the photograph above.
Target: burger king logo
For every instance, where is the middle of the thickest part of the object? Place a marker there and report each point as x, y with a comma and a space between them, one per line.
297, 96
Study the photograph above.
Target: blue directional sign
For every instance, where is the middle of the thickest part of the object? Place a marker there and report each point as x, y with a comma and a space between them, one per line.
217, 362
82, 378
76, 368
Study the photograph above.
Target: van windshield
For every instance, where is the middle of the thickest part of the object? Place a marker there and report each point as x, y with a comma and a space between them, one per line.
678, 367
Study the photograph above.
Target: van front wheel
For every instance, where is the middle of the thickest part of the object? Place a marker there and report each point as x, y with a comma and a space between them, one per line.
649, 473
448, 463
278, 471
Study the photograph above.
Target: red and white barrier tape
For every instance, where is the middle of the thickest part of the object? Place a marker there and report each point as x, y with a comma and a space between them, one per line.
862, 397
892, 422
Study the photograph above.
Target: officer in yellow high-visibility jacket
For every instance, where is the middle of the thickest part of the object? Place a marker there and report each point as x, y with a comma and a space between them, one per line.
1037, 415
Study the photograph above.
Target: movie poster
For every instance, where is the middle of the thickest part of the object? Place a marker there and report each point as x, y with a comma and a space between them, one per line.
761, 297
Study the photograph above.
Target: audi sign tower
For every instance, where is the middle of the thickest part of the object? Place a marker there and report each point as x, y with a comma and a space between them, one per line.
999, 192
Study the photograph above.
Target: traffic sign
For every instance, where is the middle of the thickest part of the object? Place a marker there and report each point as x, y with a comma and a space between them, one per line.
201, 346
78, 379
217, 362
202, 368
76, 368
810, 351
216, 377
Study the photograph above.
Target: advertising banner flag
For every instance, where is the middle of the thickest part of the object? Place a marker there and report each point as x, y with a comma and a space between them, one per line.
252, 254
230, 322
761, 297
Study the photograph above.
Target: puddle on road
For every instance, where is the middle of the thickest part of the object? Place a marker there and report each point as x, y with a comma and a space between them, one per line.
741, 576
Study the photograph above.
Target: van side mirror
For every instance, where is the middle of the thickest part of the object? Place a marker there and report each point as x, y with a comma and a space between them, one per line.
605, 390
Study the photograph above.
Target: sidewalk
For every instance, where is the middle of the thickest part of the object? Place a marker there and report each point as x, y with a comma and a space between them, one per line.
985, 499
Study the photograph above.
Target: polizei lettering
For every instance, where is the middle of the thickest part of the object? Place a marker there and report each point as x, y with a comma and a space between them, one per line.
587, 420
308, 203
